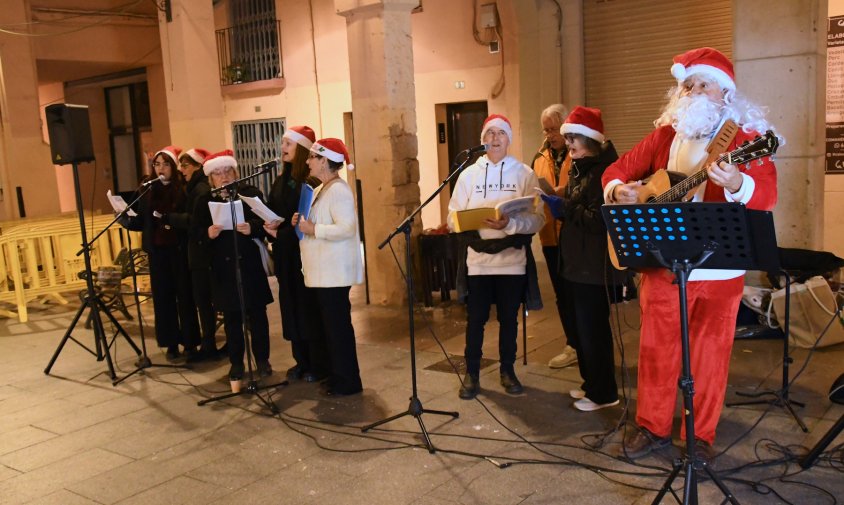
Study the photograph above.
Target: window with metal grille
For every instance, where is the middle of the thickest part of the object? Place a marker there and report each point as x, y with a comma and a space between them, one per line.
256, 142
250, 50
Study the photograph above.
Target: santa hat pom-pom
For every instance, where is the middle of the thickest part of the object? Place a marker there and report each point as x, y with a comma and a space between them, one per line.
350, 166
678, 71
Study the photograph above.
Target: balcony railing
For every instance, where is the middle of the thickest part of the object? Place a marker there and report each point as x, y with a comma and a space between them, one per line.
250, 52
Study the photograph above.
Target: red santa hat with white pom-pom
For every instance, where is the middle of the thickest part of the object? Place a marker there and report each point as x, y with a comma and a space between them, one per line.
500, 122
302, 135
586, 121
219, 160
707, 61
171, 152
333, 149
197, 154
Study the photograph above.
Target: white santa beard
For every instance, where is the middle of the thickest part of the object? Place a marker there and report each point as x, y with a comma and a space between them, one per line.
695, 116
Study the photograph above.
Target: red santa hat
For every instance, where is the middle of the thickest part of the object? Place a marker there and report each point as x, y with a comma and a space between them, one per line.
333, 149
497, 121
197, 154
586, 121
219, 160
171, 152
302, 135
705, 60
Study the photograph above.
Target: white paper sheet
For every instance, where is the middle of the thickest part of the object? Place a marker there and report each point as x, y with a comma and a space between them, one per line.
221, 213
118, 204
261, 210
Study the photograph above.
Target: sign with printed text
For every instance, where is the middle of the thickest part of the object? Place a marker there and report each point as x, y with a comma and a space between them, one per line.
835, 96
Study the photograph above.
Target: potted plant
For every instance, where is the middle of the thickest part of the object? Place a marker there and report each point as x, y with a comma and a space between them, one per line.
237, 73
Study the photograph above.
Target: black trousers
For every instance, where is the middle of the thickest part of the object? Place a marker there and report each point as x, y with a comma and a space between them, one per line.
335, 337
552, 259
172, 298
507, 293
202, 297
259, 332
587, 325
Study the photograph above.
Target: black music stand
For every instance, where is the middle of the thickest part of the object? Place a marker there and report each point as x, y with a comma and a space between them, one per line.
682, 237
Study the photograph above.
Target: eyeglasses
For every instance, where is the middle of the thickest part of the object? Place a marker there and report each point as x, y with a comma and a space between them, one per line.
160, 164
314, 156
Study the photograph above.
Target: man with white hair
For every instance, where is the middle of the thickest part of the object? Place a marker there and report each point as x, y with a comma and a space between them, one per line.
704, 98
552, 164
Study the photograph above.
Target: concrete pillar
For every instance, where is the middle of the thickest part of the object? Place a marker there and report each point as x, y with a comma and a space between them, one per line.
781, 63
189, 51
24, 157
384, 113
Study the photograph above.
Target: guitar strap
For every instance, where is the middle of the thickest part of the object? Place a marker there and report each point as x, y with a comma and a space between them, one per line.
720, 142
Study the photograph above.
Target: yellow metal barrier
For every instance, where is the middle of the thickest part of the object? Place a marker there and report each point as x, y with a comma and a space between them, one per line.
38, 258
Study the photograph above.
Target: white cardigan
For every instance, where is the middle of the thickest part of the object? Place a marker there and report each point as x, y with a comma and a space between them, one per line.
331, 258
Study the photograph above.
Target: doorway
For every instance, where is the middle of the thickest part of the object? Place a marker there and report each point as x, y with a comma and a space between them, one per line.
459, 128
127, 109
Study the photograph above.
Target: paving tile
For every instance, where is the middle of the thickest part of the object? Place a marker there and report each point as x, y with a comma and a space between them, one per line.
62, 497
7, 473
13, 440
62, 474
178, 491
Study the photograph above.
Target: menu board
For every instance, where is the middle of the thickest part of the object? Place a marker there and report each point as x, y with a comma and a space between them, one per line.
835, 96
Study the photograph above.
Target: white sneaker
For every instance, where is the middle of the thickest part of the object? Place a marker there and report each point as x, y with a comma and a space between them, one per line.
564, 359
577, 394
587, 405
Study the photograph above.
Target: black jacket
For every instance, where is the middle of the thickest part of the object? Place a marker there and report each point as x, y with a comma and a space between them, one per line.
256, 289
157, 231
284, 201
583, 240
198, 194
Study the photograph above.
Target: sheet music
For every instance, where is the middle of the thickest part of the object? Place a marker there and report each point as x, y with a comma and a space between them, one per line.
261, 210
119, 204
221, 214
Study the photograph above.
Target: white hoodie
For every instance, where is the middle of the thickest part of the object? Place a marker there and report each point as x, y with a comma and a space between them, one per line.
485, 184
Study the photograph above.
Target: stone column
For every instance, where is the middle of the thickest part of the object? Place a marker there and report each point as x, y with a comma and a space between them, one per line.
781, 63
24, 157
194, 100
384, 114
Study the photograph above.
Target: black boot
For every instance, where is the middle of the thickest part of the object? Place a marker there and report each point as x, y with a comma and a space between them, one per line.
470, 388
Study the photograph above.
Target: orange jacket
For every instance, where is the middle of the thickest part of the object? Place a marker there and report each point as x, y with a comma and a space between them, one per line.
543, 165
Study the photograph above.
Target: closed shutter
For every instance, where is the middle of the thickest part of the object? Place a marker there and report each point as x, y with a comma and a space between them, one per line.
628, 47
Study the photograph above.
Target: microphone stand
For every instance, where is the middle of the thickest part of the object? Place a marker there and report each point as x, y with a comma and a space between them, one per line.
92, 301
415, 408
252, 386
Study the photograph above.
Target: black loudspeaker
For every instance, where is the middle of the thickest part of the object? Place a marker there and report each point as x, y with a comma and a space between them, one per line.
70, 133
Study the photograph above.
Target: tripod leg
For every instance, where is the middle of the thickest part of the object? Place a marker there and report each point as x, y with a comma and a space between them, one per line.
830, 435
690, 486
119, 328
65, 337
666, 487
384, 421
100, 337
787, 405
425, 435
727, 494
441, 413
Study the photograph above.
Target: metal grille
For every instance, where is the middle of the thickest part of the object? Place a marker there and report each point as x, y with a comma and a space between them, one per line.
628, 46
250, 50
256, 142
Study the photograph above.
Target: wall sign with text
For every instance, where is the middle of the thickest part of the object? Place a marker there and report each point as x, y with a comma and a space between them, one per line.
835, 96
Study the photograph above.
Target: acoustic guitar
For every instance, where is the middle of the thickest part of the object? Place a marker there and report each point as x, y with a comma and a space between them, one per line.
666, 187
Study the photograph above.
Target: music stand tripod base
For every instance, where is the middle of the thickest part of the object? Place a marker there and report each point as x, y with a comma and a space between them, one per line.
682, 237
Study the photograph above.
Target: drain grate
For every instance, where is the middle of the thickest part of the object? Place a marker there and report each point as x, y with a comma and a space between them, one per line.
459, 362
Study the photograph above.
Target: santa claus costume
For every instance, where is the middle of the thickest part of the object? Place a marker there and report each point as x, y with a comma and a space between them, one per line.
713, 295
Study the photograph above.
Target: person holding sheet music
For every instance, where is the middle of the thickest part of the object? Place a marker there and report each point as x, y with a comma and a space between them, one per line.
175, 313
296, 302
332, 263
590, 283
704, 98
221, 168
198, 194
497, 263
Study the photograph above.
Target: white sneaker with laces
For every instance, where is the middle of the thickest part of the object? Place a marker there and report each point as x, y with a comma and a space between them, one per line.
577, 394
587, 405
564, 359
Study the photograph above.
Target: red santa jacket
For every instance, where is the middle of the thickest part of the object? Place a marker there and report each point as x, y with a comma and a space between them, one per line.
651, 154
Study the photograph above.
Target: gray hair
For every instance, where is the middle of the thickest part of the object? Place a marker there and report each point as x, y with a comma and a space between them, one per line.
557, 111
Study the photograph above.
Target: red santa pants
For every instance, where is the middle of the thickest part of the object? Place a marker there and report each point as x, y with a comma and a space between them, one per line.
712, 308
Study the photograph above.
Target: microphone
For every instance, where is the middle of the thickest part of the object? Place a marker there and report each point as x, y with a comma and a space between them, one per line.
160, 178
477, 149
267, 165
